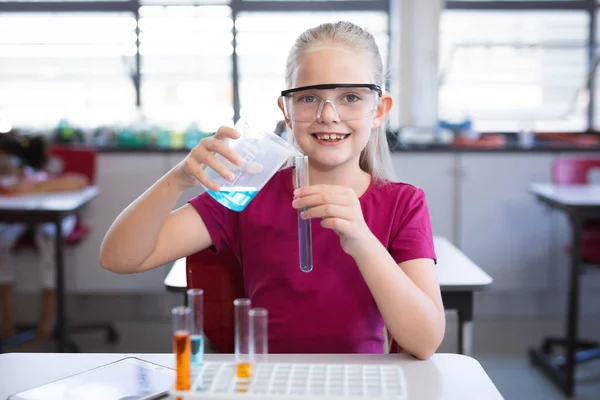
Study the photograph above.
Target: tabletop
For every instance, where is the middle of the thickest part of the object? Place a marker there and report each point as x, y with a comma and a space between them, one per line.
456, 272
442, 377
59, 201
568, 195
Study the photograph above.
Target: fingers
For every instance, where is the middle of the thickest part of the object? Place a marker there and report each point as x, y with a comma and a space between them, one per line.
227, 132
321, 198
336, 224
329, 211
331, 189
204, 154
218, 146
196, 170
206, 157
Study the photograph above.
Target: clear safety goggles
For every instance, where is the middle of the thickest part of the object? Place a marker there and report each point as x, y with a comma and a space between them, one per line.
348, 101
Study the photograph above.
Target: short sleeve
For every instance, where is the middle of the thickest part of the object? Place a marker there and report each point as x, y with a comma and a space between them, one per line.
413, 236
220, 222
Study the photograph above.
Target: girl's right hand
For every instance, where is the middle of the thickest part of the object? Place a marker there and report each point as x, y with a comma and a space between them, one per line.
190, 171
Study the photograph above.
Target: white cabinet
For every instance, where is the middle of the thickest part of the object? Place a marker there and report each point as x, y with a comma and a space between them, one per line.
501, 225
122, 177
434, 173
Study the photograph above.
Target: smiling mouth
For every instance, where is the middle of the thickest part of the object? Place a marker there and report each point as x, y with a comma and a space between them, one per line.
330, 137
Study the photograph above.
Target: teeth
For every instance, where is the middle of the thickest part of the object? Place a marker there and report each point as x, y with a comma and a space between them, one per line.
330, 137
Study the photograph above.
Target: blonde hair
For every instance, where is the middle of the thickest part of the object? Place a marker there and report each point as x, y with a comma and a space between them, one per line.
375, 157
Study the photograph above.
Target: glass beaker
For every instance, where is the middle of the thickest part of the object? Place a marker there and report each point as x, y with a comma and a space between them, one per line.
263, 154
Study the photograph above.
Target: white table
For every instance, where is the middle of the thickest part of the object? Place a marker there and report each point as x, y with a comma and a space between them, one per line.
54, 208
48, 202
459, 278
578, 202
568, 195
443, 377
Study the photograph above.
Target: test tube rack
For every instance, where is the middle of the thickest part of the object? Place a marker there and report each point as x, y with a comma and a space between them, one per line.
217, 380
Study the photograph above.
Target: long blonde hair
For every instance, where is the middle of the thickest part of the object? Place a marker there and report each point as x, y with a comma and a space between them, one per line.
375, 158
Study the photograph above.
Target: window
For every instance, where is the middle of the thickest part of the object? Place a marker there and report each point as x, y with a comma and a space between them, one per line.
71, 65
186, 65
508, 68
82, 63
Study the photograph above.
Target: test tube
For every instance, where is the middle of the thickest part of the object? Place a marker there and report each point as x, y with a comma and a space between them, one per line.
182, 317
259, 334
242, 338
195, 302
304, 229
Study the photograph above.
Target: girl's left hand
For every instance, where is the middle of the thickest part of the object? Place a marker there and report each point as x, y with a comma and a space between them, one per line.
339, 209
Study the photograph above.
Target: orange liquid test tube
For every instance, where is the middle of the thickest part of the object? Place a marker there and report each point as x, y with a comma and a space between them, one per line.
182, 347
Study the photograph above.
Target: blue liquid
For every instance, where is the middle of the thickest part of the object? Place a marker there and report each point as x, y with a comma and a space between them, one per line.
234, 198
197, 349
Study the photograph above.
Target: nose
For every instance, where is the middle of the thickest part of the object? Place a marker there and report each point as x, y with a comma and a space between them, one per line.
327, 115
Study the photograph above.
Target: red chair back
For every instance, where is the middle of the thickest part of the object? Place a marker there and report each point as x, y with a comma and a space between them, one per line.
78, 160
220, 276
576, 170
573, 170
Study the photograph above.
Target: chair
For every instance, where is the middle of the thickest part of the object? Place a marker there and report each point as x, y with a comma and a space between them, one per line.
571, 170
68, 160
221, 278
64, 160
576, 171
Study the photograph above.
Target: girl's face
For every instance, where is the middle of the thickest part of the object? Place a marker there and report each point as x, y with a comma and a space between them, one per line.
329, 65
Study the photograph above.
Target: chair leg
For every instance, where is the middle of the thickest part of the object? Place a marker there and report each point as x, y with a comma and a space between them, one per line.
23, 334
45, 325
551, 343
7, 310
580, 357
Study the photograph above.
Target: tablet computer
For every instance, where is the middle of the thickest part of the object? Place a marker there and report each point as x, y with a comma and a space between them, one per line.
127, 379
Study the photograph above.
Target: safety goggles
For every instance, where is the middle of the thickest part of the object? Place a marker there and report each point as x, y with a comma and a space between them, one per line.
348, 101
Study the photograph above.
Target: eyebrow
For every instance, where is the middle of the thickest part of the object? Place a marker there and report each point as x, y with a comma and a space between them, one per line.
371, 86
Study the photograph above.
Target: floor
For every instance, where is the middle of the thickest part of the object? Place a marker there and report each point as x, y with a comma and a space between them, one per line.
510, 372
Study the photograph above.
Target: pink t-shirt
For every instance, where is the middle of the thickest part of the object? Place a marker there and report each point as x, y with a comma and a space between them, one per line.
331, 309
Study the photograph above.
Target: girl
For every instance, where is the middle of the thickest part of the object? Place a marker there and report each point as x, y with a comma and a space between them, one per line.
372, 242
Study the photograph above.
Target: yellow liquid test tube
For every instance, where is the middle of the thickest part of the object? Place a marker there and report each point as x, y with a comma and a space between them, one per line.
242, 338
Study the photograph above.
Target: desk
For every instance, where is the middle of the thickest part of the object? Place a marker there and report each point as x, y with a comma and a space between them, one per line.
442, 377
50, 207
578, 202
459, 278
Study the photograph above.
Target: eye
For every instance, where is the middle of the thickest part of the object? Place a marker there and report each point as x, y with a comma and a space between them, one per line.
351, 98
308, 99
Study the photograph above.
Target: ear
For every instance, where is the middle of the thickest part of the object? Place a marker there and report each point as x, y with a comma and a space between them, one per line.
383, 109
280, 105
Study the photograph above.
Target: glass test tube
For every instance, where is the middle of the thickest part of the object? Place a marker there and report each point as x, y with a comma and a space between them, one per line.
242, 338
259, 334
304, 228
182, 317
195, 302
